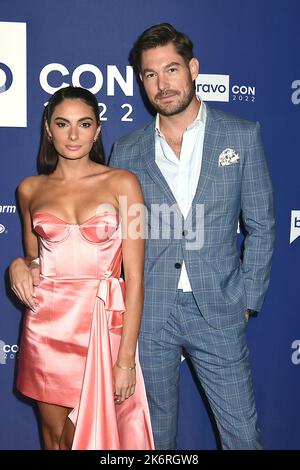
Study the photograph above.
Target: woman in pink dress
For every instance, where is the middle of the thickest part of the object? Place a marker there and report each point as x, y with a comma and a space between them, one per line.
78, 353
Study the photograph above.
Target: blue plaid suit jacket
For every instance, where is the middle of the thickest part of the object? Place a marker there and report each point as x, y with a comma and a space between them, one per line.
222, 283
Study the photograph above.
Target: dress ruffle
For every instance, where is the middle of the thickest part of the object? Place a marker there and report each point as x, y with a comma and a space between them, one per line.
99, 423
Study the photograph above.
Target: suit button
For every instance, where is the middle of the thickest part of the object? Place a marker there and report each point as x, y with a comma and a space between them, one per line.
184, 233
177, 265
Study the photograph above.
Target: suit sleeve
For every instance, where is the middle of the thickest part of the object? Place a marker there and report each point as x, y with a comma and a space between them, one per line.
113, 160
258, 217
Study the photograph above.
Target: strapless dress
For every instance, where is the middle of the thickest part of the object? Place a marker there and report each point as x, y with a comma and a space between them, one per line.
70, 344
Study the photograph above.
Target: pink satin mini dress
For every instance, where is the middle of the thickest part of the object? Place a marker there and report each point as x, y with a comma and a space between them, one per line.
70, 344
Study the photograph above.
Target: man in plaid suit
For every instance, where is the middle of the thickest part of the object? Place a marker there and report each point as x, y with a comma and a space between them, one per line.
200, 170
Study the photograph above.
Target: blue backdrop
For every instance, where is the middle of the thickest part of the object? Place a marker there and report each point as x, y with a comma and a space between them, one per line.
250, 65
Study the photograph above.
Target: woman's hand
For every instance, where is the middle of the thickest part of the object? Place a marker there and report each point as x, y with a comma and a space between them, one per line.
23, 278
125, 380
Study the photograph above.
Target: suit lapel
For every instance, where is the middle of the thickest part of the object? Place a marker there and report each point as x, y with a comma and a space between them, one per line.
147, 149
213, 134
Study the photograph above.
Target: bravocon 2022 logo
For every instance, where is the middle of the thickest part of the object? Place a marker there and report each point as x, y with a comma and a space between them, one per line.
111, 80
213, 87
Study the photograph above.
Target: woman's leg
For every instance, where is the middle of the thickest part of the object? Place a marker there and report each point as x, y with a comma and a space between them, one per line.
57, 429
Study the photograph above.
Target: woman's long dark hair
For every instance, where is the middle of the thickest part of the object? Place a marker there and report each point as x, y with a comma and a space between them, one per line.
48, 157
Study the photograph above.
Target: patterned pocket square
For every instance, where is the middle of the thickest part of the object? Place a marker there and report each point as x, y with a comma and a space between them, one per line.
228, 157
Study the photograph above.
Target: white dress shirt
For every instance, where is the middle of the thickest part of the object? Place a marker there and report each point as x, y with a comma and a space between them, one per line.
182, 174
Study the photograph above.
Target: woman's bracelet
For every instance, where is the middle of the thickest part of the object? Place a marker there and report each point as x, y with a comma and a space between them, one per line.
124, 367
35, 261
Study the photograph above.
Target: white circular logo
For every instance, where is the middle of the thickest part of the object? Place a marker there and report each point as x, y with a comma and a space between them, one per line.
6, 77
2, 228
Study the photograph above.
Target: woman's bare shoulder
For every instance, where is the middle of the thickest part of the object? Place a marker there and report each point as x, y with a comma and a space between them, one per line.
30, 185
123, 177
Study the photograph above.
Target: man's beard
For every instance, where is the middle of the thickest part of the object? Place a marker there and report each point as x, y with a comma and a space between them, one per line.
175, 108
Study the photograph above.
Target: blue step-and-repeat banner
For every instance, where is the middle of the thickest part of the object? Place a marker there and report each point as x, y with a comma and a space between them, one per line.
250, 65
